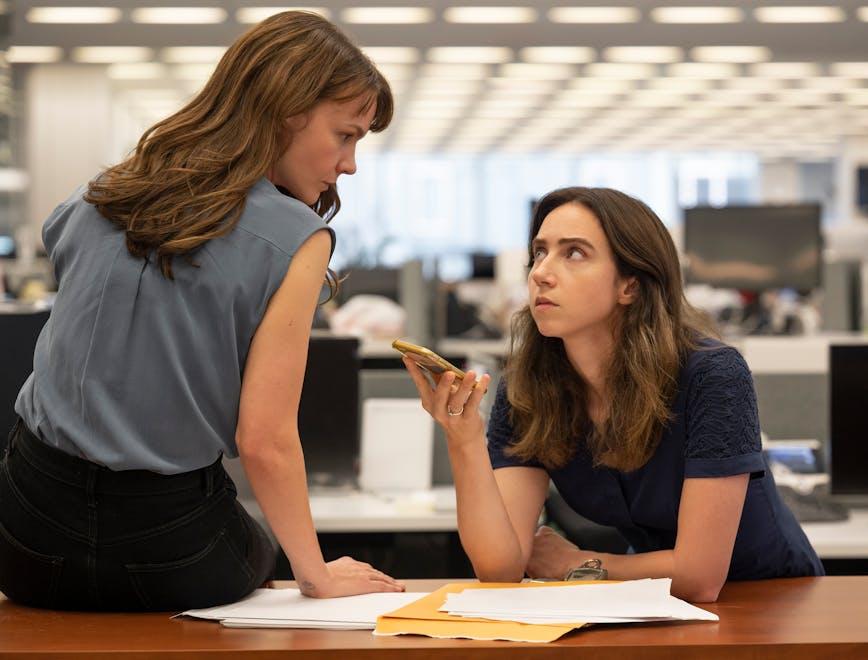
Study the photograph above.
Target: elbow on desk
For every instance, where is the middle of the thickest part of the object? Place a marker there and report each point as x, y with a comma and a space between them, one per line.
697, 592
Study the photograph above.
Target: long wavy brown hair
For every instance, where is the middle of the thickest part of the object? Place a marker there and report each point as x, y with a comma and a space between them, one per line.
188, 177
652, 336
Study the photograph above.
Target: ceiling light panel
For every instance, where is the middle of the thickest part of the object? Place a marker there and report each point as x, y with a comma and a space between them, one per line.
524, 70
853, 69
193, 72
652, 54
620, 70
193, 54
33, 54
82, 15
489, 15
387, 15
602, 84
731, 54
685, 85
137, 71
862, 13
392, 54
697, 15
250, 15
178, 15
470, 54
703, 70
557, 54
111, 54
594, 15
799, 14
785, 69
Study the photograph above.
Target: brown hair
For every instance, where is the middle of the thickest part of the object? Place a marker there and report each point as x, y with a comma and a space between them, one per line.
188, 178
652, 336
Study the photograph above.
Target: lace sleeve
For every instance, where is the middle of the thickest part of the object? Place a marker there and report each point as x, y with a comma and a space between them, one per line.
722, 422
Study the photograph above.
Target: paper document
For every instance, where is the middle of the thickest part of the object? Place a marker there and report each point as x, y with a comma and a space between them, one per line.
287, 608
624, 602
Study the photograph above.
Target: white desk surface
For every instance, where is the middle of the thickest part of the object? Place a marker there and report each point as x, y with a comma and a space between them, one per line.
429, 512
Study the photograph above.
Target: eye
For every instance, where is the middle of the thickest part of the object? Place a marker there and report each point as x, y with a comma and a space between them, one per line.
575, 253
538, 253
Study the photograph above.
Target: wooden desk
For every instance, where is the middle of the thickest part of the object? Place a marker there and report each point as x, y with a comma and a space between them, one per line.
787, 619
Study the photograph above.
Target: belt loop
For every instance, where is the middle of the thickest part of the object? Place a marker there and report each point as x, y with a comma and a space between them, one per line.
209, 481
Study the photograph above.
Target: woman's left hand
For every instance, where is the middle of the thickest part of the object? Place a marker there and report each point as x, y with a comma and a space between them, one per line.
552, 555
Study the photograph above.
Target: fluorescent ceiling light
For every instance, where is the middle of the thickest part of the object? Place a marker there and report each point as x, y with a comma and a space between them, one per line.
653, 54
679, 84
785, 69
73, 15
702, 70
593, 15
392, 54
696, 15
761, 84
137, 71
620, 70
179, 15
111, 54
853, 69
818, 14
193, 54
557, 54
522, 86
387, 15
396, 72
436, 87
250, 15
490, 15
195, 72
537, 71
428, 111
857, 97
731, 54
862, 13
455, 71
603, 84
33, 54
470, 54
829, 83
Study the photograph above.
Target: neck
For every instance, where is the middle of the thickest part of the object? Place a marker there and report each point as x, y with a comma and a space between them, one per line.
589, 354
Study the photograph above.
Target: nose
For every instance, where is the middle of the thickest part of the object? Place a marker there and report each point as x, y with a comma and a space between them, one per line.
347, 164
542, 274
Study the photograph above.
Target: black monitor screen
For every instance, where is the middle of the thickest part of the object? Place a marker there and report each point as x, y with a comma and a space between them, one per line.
862, 187
848, 419
328, 414
754, 247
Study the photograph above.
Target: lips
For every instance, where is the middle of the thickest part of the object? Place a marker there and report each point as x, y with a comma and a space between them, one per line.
543, 303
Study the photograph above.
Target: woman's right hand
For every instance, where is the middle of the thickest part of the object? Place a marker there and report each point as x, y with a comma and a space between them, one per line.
453, 405
348, 577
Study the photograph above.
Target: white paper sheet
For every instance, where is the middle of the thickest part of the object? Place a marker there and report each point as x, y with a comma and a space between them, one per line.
288, 608
625, 602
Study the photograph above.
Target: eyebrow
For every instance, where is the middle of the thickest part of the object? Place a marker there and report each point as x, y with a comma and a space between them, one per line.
359, 130
568, 240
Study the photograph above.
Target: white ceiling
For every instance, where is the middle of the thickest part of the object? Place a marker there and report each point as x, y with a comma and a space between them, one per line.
595, 103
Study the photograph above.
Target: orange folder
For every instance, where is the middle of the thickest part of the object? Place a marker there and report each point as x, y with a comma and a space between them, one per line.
422, 617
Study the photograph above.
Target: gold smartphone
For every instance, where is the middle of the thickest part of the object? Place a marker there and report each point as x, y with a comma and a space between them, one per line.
427, 359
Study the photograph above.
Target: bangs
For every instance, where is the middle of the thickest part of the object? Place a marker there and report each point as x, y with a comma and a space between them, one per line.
375, 91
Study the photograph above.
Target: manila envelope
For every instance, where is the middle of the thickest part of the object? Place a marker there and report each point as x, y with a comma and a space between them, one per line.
422, 617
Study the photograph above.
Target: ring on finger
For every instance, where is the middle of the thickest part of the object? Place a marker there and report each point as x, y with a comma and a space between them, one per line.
454, 413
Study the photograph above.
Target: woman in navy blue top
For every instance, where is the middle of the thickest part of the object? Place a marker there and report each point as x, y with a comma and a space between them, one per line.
615, 390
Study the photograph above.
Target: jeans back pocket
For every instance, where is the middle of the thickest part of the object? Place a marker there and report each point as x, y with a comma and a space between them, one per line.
26, 576
215, 575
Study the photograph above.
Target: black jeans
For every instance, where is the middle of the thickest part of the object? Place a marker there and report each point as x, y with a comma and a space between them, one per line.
76, 535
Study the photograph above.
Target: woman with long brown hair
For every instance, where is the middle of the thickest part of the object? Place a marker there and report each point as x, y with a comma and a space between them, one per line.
188, 277
617, 391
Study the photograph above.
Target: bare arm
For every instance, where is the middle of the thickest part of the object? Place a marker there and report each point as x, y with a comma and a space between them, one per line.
497, 510
708, 519
267, 434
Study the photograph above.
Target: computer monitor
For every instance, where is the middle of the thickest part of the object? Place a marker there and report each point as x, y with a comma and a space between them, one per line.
374, 281
848, 419
754, 248
328, 414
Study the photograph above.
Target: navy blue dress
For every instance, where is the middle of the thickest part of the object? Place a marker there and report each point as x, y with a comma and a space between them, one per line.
714, 432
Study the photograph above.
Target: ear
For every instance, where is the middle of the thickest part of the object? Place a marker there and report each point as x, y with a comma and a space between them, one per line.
628, 289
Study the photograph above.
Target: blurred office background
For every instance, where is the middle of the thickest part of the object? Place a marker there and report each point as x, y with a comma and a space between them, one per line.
743, 125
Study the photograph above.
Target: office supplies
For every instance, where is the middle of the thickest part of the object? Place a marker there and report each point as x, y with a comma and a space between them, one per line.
287, 608
536, 612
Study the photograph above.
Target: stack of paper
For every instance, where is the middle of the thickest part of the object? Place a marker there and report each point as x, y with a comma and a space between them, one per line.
624, 602
287, 608
535, 612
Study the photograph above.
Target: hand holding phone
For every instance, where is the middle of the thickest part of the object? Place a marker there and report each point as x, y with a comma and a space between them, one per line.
427, 359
